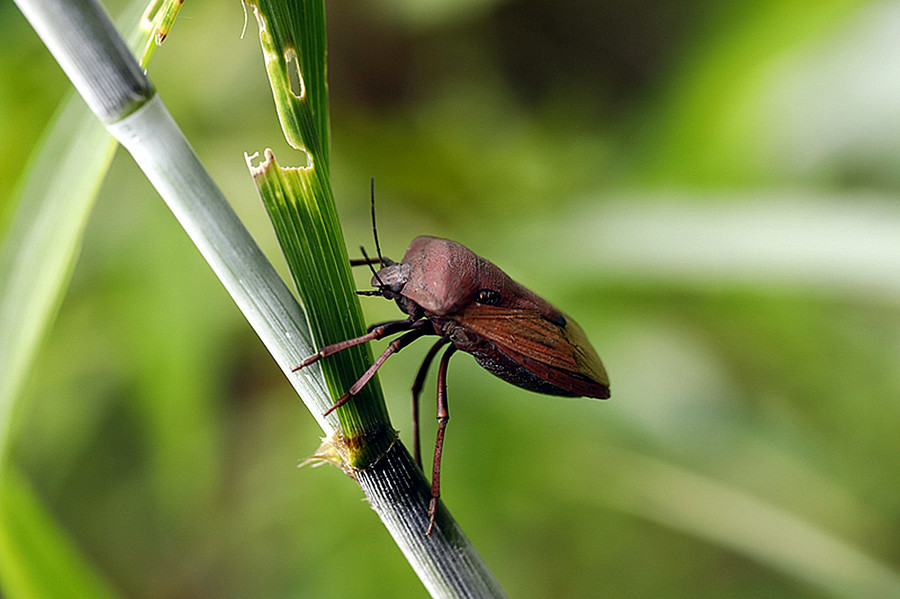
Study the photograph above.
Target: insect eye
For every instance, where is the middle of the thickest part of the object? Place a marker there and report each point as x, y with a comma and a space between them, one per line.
488, 297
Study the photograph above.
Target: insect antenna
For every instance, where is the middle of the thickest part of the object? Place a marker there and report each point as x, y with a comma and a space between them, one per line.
374, 227
368, 261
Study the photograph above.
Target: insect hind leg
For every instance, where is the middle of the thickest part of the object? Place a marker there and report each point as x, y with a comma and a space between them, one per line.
417, 390
443, 416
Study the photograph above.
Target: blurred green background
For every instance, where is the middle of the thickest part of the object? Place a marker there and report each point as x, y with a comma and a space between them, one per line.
710, 188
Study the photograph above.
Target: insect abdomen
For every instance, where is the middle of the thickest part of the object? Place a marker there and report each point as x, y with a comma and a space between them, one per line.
504, 367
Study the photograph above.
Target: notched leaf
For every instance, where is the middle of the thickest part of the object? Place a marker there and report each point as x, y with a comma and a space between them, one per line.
294, 73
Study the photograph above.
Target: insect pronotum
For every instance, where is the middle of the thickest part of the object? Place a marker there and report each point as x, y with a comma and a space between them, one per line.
471, 305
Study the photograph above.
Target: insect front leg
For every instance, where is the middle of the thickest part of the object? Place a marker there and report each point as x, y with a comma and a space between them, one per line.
377, 332
393, 347
443, 416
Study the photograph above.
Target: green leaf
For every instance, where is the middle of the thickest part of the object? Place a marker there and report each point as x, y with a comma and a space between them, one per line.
43, 240
301, 207
292, 35
39, 560
36, 261
300, 204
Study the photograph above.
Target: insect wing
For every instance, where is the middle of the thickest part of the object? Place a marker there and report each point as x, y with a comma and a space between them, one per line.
560, 354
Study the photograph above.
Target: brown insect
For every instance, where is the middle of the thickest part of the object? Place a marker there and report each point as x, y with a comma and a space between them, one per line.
468, 302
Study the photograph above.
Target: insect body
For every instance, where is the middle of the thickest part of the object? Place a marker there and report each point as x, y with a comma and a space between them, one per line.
469, 303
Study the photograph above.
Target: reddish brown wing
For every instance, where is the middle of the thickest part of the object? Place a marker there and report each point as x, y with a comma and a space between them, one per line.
560, 354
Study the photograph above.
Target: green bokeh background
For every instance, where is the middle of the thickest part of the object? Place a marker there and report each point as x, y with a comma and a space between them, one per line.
710, 188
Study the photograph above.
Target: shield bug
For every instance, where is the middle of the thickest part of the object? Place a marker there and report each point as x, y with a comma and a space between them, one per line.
471, 305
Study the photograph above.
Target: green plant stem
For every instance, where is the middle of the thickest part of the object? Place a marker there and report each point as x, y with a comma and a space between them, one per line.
302, 212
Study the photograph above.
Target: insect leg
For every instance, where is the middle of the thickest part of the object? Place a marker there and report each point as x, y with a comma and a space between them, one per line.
443, 415
416, 390
376, 325
392, 348
377, 332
